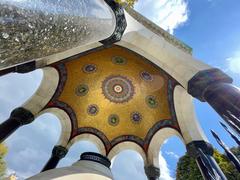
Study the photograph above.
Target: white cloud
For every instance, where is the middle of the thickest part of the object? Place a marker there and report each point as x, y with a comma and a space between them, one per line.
165, 172
168, 14
128, 165
234, 63
165, 141
172, 154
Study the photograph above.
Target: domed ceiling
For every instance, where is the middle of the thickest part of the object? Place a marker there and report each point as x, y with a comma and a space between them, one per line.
115, 94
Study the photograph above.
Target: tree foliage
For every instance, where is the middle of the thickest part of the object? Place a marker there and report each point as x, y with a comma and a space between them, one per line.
3, 152
129, 2
187, 168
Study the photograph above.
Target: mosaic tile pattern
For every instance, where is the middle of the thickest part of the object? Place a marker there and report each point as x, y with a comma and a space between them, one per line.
117, 89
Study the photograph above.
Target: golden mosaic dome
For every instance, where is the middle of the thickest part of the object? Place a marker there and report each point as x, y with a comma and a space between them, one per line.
115, 94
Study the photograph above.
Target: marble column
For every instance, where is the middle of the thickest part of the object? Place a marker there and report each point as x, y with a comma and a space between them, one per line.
202, 152
19, 117
225, 99
214, 87
152, 172
58, 153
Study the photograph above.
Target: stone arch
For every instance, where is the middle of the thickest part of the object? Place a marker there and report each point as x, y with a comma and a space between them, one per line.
65, 121
126, 145
156, 143
162, 49
45, 91
89, 137
188, 123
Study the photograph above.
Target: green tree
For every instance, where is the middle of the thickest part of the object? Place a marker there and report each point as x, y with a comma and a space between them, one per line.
236, 151
129, 2
187, 168
3, 152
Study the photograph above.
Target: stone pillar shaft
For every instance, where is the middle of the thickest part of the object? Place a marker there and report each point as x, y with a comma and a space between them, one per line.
225, 99
214, 86
58, 153
7, 128
52, 163
18, 117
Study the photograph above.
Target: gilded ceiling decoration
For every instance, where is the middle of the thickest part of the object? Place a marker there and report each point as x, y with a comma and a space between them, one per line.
81, 90
115, 94
92, 109
113, 119
89, 68
117, 89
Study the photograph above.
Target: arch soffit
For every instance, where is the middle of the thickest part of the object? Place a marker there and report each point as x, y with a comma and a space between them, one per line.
157, 141
185, 113
89, 137
45, 91
126, 145
66, 126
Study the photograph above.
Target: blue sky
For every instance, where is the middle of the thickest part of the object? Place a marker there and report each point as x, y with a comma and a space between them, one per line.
210, 27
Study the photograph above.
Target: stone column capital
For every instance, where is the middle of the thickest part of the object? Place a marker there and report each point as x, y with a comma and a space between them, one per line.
194, 146
152, 172
22, 116
59, 152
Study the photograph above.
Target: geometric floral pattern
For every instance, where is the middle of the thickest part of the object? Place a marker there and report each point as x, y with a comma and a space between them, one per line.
81, 90
90, 68
92, 109
113, 120
119, 60
151, 101
117, 89
136, 117
146, 76
134, 114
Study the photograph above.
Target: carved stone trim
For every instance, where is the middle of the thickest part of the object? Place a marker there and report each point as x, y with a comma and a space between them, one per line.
95, 157
121, 23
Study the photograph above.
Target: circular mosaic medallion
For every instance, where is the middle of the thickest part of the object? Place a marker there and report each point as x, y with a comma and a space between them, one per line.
113, 119
151, 101
136, 117
146, 76
117, 89
81, 90
92, 109
89, 68
119, 60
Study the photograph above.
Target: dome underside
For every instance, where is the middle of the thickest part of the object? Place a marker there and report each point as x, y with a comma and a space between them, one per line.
116, 95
